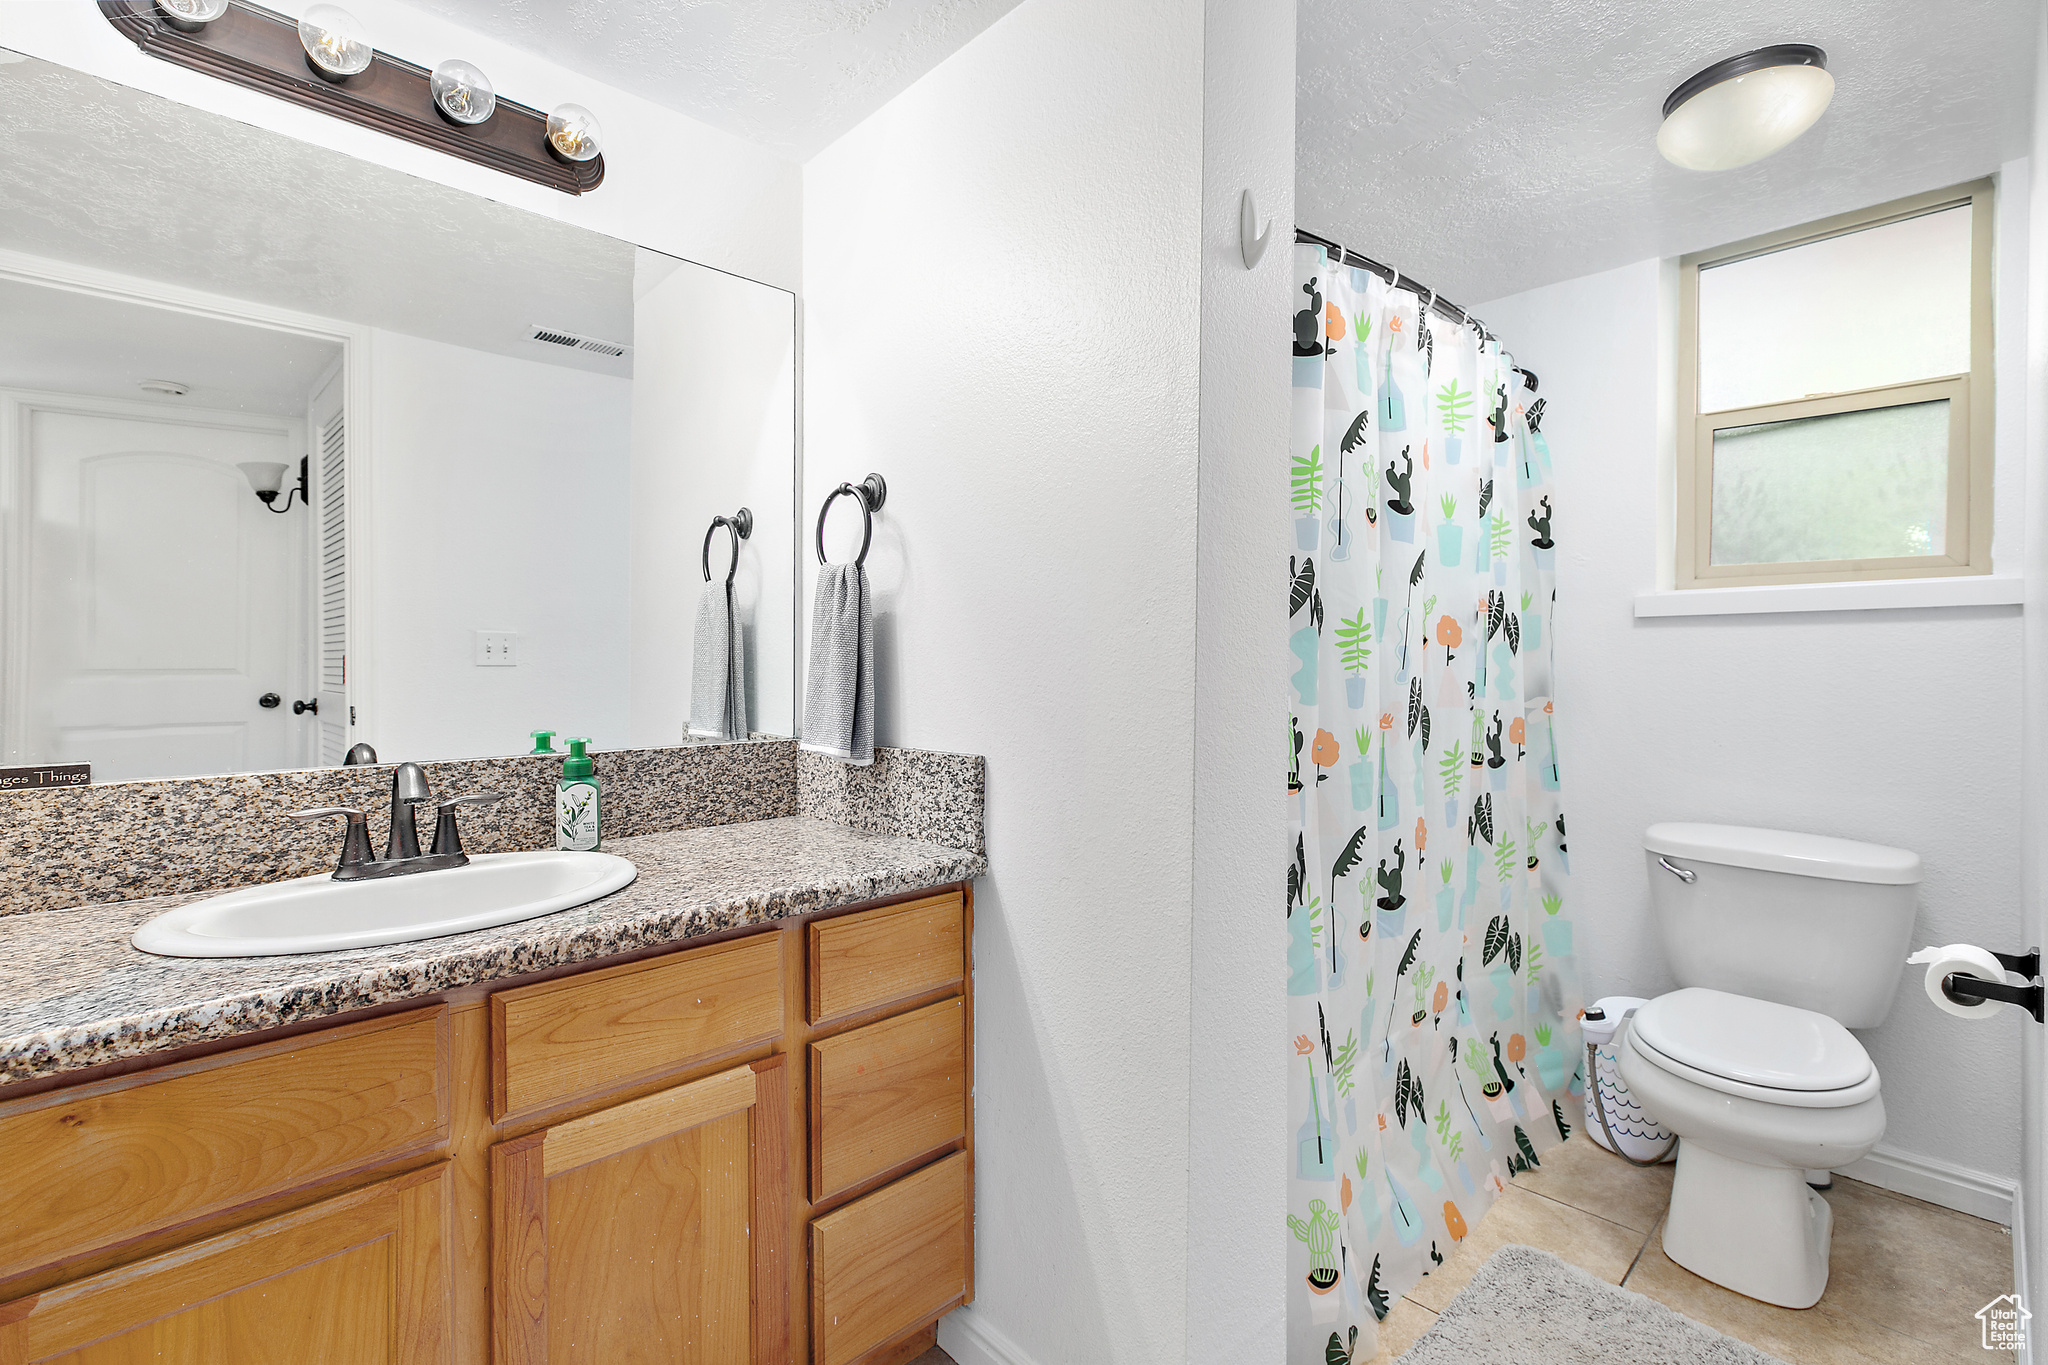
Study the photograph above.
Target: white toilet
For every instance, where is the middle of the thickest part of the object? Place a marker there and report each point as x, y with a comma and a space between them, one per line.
1782, 943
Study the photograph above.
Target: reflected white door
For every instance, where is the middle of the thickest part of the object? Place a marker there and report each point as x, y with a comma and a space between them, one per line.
163, 597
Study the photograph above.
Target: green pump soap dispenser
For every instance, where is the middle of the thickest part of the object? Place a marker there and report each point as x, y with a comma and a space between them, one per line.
576, 801
544, 742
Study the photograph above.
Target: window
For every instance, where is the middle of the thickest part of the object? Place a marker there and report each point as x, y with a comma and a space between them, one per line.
1834, 394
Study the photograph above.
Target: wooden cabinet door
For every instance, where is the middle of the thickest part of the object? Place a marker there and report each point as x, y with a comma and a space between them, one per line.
360, 1279
653, 1230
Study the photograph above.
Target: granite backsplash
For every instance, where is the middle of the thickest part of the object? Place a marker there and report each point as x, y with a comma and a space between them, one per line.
121, 841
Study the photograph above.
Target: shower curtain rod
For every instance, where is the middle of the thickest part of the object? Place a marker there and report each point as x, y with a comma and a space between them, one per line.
1400, 281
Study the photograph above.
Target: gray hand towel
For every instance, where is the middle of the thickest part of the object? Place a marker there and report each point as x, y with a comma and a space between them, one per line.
718, 677
839, 693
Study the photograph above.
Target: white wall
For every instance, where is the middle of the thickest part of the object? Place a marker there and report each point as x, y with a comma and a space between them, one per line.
2031, 1245
671, 182
1893, 726
714, 430
494, 511
1237, 1297
1002, 314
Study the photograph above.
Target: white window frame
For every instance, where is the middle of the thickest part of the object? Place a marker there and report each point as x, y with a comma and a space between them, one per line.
1967, 536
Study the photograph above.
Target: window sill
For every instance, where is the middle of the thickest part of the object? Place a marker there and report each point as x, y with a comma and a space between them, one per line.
1888, 594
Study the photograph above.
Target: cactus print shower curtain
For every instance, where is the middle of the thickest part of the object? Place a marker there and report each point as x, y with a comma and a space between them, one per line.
1434, 1000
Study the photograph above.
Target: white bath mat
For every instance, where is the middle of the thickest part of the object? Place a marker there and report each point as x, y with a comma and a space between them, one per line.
1526, 1307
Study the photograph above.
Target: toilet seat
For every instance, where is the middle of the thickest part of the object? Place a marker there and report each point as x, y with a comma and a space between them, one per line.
1756, 1049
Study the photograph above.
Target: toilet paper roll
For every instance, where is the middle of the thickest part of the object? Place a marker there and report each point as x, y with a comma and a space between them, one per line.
1968, 959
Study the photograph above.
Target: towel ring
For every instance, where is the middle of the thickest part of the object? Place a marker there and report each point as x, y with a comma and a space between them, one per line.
872, 491
741, 524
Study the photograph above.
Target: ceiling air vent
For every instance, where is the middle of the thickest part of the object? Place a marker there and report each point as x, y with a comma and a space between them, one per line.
555, 336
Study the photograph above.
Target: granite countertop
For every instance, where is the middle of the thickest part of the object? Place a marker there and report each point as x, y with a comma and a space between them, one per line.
75, 993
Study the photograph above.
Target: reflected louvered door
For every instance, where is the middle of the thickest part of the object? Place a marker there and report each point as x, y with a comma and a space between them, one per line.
330, 570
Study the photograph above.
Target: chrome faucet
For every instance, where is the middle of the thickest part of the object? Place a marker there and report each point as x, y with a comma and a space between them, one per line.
402, 848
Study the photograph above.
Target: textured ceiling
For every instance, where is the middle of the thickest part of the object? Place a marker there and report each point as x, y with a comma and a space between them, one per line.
1486, 148
64, 342
101, 175
789, 74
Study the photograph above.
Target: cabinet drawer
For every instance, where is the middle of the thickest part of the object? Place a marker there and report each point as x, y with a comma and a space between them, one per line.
101, 1165
890, 1262
582, 1035
862, 961
884, 1094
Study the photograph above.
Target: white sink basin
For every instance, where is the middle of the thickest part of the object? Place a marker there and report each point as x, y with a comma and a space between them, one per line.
320, 914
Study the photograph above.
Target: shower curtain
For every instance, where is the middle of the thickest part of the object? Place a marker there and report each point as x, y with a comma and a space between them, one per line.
1433, 996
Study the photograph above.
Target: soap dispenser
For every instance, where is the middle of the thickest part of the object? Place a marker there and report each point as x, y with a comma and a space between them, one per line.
576, 801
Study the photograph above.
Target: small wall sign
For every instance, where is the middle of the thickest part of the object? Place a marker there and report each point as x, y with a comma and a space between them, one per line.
46, 775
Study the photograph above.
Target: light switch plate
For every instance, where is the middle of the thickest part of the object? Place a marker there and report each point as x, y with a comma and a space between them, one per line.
497, 649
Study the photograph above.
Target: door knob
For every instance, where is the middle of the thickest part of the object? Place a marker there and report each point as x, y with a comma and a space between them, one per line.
270, 701
300, 708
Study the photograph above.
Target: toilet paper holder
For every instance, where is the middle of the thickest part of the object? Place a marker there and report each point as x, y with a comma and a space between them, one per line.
1970, 990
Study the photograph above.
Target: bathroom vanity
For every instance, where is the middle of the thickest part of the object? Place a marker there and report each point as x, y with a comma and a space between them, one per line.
724, 1114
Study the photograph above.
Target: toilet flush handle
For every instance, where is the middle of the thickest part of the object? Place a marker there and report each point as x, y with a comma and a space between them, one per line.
1684, 874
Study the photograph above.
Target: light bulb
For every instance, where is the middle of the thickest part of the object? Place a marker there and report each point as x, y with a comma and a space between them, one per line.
574, 134
189, 16
335, 41
462, 92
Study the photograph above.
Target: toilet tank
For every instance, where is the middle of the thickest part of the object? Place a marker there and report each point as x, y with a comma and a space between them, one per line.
1819, 923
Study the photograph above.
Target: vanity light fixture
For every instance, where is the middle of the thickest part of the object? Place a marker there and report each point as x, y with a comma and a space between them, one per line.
336, 42
190, 16
267, 477
454, 109
574, 133
462, 93
1744, 108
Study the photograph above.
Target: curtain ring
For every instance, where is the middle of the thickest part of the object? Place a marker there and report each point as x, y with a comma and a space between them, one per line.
871, 492
741, 524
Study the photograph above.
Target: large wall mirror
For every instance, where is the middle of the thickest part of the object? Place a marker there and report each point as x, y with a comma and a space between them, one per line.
497, 442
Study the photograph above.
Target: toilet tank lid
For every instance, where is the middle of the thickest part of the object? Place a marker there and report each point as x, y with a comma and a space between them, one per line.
1778, 850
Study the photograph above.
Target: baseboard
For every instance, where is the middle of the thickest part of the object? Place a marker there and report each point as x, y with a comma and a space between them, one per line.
970, 1340
1938, 1182
2026, 1354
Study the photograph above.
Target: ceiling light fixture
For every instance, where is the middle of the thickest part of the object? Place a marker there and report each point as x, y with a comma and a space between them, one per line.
336, 42
1744, 108
170, 388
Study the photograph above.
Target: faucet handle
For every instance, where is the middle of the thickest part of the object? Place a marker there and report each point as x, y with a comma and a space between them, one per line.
355, 840
447, 838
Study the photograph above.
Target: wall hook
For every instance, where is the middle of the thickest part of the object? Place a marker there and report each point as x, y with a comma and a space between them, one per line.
1250, 241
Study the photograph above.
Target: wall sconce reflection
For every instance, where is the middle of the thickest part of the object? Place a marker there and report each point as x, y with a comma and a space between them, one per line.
267, 477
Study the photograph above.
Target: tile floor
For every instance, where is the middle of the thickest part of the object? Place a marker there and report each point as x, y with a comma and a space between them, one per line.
1905, 1280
